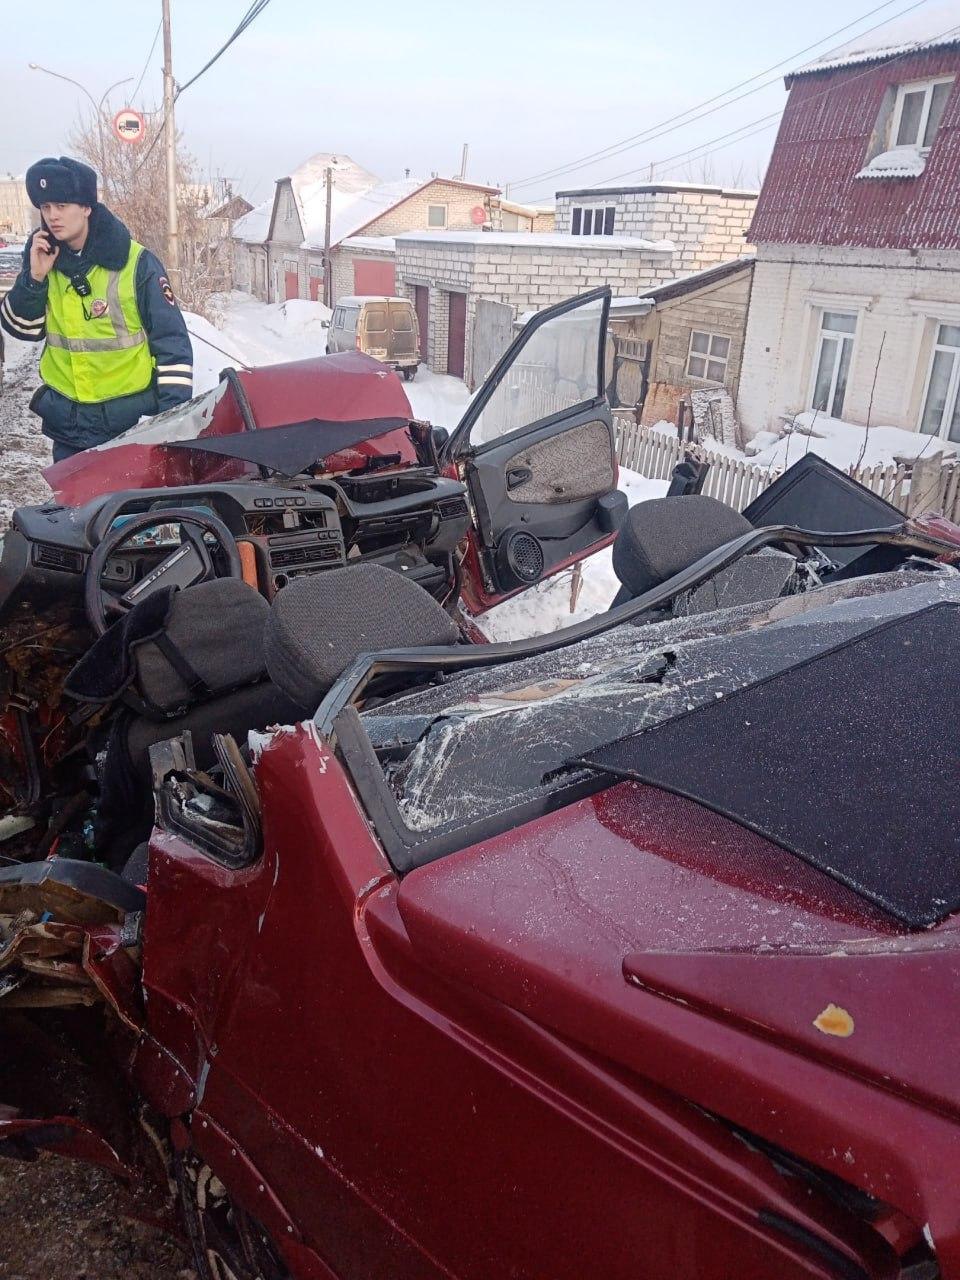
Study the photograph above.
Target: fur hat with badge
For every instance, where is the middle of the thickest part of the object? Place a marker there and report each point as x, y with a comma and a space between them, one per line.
62, 181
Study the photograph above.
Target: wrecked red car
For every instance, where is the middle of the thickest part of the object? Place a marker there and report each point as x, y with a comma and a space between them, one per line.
629, 950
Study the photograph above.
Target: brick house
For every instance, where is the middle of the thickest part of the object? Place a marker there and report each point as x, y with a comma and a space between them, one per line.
279, 246
450, 276
706, 224
855, 308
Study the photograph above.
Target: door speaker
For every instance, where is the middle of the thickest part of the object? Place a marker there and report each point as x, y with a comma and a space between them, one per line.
520, 558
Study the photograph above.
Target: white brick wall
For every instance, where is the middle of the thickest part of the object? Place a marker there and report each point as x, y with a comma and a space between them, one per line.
708, 225
898, 297
527, 278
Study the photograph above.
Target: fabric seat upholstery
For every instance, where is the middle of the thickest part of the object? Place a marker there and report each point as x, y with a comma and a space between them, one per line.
661, 537
318, 625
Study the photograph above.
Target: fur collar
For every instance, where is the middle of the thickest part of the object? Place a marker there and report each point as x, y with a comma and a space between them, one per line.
108, 245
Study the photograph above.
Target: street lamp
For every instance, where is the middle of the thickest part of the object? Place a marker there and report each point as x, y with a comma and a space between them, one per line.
97, 106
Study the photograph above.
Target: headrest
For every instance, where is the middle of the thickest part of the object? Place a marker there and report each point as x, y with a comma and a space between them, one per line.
319, 624
214, 629
664, 535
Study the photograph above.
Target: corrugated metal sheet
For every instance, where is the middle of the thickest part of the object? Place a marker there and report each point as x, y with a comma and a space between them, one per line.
811, 194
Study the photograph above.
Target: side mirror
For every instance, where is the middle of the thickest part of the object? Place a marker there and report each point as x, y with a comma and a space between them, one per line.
440, 437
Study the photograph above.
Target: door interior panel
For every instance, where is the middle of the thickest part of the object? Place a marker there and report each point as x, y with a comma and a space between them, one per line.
536, 447
575, 464
564, 524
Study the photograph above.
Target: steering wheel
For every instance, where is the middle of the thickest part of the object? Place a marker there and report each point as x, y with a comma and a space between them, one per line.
189, 564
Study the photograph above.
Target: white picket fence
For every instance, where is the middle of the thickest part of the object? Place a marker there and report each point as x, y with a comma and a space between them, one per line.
931, 484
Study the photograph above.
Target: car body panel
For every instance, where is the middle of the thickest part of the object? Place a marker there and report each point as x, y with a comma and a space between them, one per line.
390, 1148
336, 388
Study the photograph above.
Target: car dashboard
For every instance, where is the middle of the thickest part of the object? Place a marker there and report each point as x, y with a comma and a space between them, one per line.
410, 521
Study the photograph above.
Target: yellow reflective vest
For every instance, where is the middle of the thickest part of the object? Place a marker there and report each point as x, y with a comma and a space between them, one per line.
96, 346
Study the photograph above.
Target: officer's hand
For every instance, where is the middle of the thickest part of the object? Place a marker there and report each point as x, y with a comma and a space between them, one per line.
41, 258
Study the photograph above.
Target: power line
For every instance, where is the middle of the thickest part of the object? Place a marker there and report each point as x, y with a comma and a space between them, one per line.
664, 126
765, 121
156, 37
253, 12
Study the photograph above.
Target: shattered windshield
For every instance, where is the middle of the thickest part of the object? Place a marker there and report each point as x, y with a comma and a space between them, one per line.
486, 742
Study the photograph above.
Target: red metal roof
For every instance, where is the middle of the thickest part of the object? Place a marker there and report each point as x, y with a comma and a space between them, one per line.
811, 194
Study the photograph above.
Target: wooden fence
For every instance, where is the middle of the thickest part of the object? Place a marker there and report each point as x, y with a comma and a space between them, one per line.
927, 484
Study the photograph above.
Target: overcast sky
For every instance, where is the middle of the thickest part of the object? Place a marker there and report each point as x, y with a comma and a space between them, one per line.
530, 86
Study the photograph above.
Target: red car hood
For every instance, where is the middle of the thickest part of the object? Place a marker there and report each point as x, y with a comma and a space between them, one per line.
340, 388
680, 946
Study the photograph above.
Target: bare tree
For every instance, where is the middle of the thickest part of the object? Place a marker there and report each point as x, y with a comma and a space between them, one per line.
133, 186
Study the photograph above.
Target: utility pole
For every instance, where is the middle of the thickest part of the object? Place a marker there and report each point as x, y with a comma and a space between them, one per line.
327, 274
170, 146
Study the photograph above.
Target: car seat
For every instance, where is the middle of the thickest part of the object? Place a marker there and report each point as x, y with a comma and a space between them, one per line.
215, 658
661, 537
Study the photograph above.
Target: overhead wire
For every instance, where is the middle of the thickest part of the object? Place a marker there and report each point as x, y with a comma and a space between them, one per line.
680, 121
765, 122
156, 37
252, 12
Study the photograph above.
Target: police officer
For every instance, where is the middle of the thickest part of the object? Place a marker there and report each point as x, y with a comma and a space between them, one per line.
116, 346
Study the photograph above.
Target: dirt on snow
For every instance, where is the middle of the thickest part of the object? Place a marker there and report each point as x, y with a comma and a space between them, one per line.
59, 1219
24, 450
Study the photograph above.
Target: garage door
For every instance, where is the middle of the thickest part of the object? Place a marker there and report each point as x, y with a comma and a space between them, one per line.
370, 277
457, 340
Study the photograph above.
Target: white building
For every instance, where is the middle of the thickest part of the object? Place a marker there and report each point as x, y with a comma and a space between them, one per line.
855, 309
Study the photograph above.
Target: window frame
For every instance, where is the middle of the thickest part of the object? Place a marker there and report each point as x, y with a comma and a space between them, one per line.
843, 335
953, 388
903, 90
438, 226
707, 356
603, 213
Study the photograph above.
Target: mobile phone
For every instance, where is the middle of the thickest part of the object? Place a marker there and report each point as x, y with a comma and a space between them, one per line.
52, 241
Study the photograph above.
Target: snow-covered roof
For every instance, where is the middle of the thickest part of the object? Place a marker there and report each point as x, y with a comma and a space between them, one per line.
253, 226
653, 187
382, 244
538, 240
901, 162
931, 27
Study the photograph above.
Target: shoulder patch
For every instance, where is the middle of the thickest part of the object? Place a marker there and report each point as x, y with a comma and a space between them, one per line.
167, 292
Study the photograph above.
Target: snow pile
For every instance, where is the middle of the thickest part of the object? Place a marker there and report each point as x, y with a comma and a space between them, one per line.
845, 444
546, 607
250, 333
901, 162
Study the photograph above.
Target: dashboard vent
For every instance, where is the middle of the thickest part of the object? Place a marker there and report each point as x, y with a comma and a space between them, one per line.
304, 555
48, 556
452, 508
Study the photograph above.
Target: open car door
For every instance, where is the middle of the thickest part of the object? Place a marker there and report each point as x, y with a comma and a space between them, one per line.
536, 450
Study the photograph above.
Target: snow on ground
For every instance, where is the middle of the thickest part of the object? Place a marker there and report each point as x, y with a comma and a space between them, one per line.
24, 450
845, 444
546, 607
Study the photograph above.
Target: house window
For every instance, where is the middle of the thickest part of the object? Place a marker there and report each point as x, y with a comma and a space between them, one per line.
918, 112
832, 367
941, 404
592, 222
436, 215
708, 356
